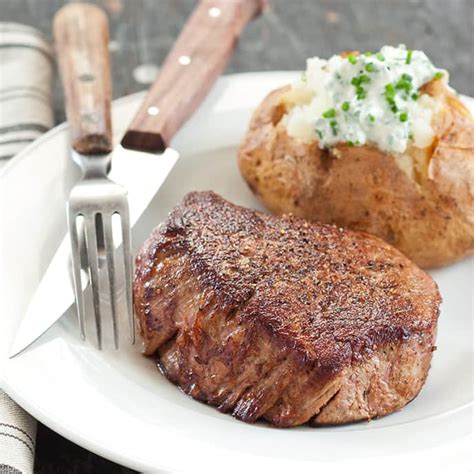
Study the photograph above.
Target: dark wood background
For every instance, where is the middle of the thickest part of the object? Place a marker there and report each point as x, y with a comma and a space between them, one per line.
142, 31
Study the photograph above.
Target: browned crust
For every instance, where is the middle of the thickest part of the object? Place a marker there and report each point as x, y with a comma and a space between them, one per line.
324, 297
429, 218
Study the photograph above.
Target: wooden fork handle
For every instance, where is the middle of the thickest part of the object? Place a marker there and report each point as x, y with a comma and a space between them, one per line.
198, 57
81, 34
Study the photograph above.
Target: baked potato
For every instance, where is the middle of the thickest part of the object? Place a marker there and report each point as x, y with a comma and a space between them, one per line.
420, 201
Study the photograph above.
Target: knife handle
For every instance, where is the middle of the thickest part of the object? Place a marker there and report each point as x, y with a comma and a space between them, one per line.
81, 35
199, 55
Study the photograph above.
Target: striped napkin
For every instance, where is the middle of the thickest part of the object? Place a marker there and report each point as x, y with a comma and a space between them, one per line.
26, 63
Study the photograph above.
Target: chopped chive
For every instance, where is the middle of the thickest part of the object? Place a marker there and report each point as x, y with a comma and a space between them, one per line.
403, 117
390, 89
333, 125
329, 113
370, 67
415, 96
345, 106
351, 59
367, 53
380, 57
411, 136
360, 93
438, 75
390, 93
349, 143
371, 118
409, 55
319, 133
358, 80
405, 83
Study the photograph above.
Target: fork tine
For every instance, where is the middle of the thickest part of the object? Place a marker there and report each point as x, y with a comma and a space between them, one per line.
92, 258
127, 256
110, 251
76, 265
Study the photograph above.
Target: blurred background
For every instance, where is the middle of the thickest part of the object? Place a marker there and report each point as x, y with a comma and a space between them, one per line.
143, 31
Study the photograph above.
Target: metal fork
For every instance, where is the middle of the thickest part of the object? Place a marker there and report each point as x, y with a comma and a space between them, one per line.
81, 36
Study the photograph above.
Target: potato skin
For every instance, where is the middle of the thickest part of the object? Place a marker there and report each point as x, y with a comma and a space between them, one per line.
429, 218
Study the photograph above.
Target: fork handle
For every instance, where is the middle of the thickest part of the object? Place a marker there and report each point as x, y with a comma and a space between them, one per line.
199, 55
81, 34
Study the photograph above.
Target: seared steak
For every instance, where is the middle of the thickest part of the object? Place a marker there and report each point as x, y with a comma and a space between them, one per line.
282, 319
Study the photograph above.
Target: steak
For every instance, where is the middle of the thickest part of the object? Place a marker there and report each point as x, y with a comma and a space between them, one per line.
282, 319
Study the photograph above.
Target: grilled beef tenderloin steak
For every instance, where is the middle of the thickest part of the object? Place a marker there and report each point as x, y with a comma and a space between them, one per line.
282, 319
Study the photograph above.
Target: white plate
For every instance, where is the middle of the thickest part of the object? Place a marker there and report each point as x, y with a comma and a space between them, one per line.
118, 405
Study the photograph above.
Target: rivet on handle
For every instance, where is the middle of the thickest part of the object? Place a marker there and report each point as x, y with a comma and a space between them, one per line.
153, 110
214, 12
184, 60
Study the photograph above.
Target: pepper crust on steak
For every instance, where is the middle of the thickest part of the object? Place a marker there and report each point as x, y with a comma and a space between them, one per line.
283, 319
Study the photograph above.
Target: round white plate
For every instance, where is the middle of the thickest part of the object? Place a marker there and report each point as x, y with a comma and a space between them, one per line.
118, 405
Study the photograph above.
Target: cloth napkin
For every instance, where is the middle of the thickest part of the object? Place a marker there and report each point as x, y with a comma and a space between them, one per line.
26, 63
26, 67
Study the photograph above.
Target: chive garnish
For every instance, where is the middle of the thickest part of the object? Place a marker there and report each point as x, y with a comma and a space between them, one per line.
438, 75
371, 118
329, 113
370, 67
405, 83
367, 53
360, 93
345, 106
409, 55
389, 90
403, 117
319, 133
380, 57
351, 59
411, 136
390, 97
359, 80
415, 96
333, 124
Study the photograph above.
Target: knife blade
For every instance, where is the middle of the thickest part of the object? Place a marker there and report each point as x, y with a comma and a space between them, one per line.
143, 160
56, 290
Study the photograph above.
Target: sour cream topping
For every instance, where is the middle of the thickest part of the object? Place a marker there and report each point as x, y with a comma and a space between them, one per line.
365, 98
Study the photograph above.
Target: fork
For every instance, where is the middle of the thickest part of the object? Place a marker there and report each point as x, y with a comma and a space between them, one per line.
81, 36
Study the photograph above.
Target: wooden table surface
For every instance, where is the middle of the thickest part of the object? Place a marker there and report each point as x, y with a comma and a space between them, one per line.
142, 31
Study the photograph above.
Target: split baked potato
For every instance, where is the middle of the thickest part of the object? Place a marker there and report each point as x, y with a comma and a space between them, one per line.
421, 202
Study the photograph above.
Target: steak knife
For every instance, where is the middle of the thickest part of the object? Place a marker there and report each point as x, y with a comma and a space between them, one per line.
199, 55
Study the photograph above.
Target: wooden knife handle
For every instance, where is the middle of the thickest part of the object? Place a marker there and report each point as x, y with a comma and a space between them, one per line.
198, 57
81, 34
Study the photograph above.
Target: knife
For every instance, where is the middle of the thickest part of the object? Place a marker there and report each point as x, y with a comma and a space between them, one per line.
199, 55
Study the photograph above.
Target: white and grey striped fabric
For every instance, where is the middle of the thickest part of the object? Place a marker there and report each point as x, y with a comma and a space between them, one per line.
17, 438
26, 67
26, 62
